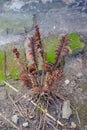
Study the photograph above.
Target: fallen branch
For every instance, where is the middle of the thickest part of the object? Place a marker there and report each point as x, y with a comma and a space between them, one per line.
1, 115
10, 86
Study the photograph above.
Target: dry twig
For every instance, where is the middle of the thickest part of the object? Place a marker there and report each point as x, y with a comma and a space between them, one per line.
10, 86
15, 106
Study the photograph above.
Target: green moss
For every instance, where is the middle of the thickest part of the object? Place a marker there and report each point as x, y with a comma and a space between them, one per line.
75, 42
82, 110
50, 43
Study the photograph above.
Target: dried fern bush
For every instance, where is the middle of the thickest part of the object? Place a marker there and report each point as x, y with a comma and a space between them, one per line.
41, 85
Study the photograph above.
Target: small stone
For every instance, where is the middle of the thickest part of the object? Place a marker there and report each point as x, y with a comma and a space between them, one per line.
15, 119
26, 124
31, 116
67, 81
79, 75
66, 110
73, 125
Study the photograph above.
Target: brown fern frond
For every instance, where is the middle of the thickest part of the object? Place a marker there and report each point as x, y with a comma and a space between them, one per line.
40, 50
62, 51
38, 42
34, 51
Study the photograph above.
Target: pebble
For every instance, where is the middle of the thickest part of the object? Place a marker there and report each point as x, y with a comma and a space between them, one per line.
79, 75
25, 124
66, 110
67, 81
31, 116
73, 125
15, 119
